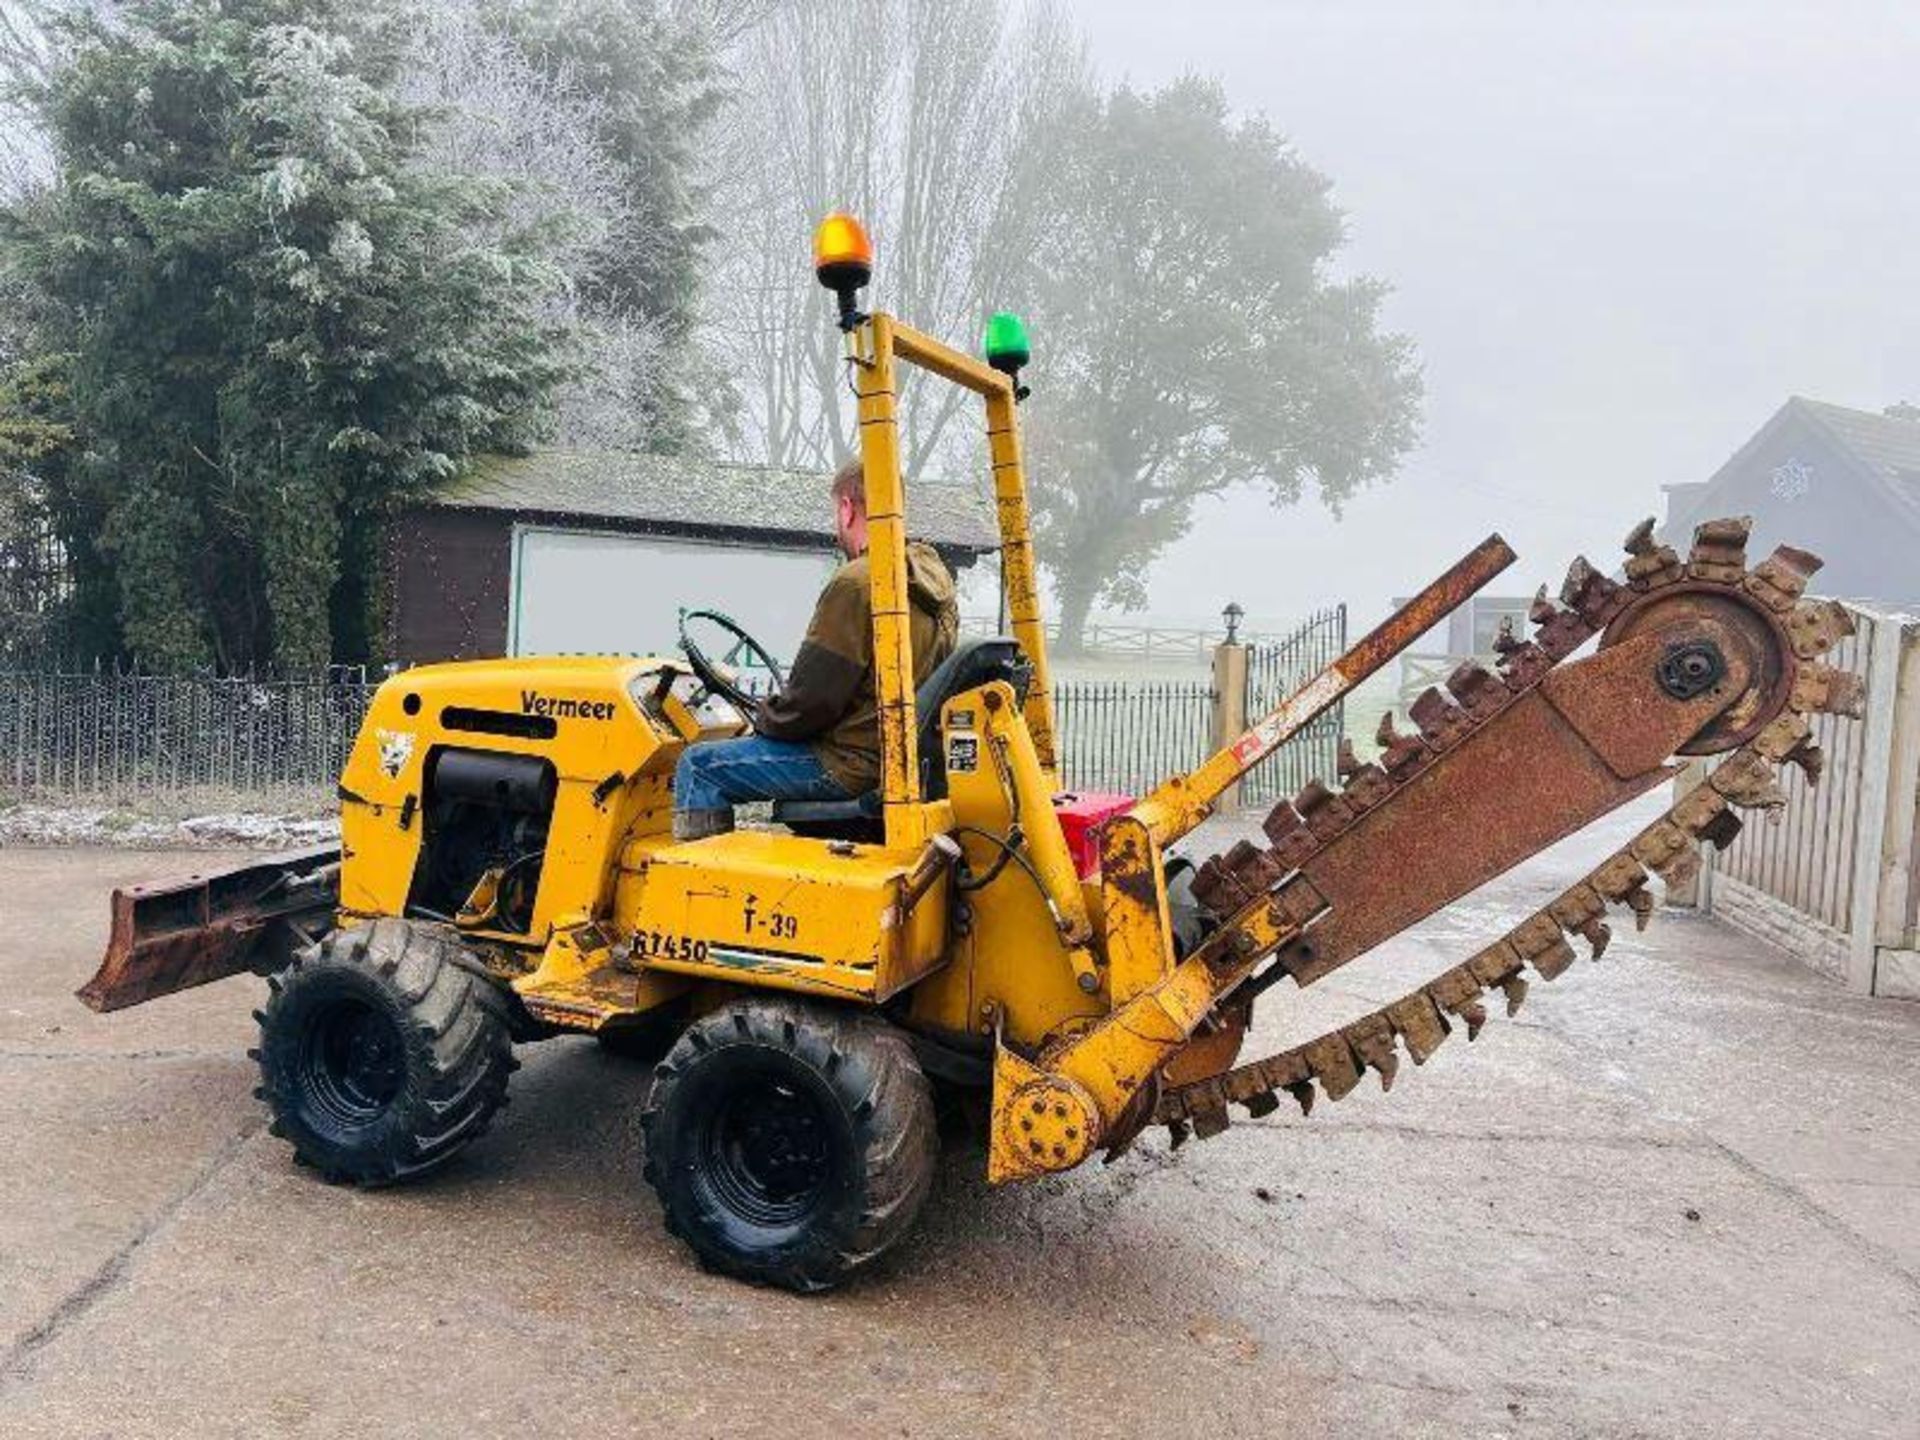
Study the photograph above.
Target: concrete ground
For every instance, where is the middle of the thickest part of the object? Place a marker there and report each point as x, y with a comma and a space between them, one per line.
1679, 1195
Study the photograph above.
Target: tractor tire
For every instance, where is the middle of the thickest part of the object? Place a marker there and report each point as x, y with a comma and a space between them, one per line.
790, 1143
383, 1050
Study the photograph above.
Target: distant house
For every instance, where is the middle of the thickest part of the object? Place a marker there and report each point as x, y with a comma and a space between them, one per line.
1842, 483
598, 552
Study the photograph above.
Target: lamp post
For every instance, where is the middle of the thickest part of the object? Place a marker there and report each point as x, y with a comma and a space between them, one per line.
1229, 691
1233, 615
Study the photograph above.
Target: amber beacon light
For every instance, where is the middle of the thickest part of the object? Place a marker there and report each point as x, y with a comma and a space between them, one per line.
843, 261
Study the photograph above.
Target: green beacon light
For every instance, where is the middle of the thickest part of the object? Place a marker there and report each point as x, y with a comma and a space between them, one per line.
1007, 349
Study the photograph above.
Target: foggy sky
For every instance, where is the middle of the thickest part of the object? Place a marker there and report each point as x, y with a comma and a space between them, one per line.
1620, 234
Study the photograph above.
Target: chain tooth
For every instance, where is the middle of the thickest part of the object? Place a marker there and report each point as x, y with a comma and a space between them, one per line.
1537, 933
1598, 934
1680, 870
1282, 822
1479, 691
1822, 687
1650, 564
1505, 642
1746, 779
1780, 579
1538, 941
1811, 759
1441, 721
1781, 735
1618, 877
1276, 1073
1696, 809
1720, 550
1332, 1062
1580, 903
1579, 912
1590, 594
1366, 787
1325, 812
1178, 1133
1579, 575
1523, 666
1261, 1104
1293, 843
1419, 1024
1816, 626
1640, 900
1720, 831
1303, 1094
1251, 868
1211, 887
1401, 755
1371, 1040
1209, 1123
1554, 961
1559, 632
1453, 988
1514, 987
1345, 760
1494, 964
1655, 846
1475, 1014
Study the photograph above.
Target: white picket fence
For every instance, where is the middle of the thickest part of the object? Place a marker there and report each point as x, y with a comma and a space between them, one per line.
1832, 879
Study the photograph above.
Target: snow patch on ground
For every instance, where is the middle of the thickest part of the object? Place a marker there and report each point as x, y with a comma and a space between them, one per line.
31, 824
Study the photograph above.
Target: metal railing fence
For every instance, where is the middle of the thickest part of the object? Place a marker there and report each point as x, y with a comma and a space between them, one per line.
104, 734
108, 734
1128, 736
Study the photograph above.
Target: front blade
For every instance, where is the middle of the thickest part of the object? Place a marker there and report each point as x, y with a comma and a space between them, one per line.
180, 933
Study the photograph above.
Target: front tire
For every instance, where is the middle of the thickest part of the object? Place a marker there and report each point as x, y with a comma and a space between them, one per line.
383, 1051
790, 1143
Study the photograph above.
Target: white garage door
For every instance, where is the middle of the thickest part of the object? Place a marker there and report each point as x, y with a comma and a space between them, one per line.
586, 592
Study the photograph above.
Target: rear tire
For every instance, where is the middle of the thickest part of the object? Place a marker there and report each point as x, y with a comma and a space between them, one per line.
790, 1143
383, 1051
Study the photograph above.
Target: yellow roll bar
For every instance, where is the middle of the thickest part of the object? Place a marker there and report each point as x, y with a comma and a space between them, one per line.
873, 346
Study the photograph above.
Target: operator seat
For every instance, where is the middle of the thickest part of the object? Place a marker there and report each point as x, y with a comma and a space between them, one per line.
975, 661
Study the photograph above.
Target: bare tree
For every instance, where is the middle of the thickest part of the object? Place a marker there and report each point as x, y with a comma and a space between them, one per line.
914, 115
497, 114
25, 52
540, 130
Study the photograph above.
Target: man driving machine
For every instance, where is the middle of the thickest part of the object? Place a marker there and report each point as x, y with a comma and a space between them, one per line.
818, 738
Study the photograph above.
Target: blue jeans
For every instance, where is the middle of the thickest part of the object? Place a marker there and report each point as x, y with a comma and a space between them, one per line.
719, 774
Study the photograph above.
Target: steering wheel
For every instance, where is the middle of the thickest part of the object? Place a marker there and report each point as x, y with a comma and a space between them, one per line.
717, 678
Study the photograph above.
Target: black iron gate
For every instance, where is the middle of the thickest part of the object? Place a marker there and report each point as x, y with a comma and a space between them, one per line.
1275, 669
1129, 735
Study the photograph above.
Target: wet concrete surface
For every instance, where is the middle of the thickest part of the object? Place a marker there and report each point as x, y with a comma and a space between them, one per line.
1680, 1194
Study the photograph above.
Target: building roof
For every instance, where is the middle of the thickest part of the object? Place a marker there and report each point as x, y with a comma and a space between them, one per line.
683, 493
1884, 448
1888, 444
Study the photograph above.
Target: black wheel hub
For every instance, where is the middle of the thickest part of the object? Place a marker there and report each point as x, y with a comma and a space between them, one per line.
1691, 669
769, 1150
353, 1063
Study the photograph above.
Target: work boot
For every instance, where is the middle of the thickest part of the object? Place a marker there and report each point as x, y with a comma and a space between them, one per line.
698, 824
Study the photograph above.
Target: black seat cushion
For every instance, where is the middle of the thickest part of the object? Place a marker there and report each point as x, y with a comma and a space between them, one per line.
974, 662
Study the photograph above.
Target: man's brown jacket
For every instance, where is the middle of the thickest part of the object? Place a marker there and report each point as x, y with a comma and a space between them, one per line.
829, 696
